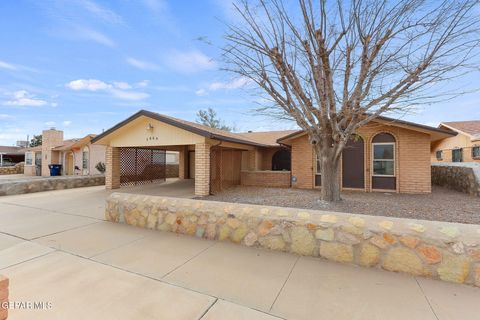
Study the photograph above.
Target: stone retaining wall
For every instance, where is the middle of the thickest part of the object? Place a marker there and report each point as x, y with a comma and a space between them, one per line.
446, 251
463, 177
16, 169
49, 183
279, 179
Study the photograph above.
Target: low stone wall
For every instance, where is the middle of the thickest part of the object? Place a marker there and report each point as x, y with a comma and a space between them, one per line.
463, 177
16, 169
172, 170
48, 184
446, 251
280, 179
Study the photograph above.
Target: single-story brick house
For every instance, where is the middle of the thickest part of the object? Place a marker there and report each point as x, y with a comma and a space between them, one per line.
464, 147
386, 154
77, 156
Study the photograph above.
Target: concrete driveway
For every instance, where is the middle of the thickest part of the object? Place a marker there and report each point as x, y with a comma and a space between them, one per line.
55, 247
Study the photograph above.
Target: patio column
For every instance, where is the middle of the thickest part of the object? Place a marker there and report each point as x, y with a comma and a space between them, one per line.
112, 172
202, 169
183, 162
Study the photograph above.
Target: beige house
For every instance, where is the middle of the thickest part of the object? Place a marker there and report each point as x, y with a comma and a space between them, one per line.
386, 155
463, 147
77, 156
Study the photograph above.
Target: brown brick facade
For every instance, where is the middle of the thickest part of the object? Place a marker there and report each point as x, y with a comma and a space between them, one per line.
112, 173
412, 159
279, 179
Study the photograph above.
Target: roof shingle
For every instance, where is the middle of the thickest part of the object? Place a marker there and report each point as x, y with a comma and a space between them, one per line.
471, 127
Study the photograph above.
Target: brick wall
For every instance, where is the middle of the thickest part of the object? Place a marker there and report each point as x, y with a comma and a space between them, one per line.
3, 297
279, 179
50, 138
412, 159
302, 163
172, 170
112, 172
202, 169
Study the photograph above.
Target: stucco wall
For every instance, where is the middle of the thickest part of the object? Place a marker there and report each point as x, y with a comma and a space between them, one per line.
448, 144
439, 250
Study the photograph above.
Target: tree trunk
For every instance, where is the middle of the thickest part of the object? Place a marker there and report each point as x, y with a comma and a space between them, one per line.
330, 170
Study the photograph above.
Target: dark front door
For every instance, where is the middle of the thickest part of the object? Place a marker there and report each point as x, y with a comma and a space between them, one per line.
353, 172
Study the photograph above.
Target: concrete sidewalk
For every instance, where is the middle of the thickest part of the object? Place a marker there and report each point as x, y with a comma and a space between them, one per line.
62, 252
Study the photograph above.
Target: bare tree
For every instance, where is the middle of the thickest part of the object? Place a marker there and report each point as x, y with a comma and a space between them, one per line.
333, 66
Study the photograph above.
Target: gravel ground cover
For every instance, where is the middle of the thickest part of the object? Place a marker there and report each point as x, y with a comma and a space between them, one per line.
441, 205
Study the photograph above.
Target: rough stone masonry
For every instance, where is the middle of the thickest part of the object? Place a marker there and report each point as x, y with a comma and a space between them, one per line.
439, 250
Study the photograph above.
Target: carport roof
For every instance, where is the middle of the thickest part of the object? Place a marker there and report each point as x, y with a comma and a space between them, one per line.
259, 139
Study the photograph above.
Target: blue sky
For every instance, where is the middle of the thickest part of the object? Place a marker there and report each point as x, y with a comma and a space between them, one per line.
84, 65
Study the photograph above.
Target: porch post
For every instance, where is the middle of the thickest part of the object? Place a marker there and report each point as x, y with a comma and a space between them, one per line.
202, 169
112, 172
183, 162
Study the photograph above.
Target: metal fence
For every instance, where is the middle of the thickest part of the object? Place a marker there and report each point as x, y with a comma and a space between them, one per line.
141, 166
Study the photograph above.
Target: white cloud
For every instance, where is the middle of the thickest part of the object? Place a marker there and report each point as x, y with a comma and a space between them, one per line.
189, 61
5, 116
100, 12
23, 98
122, 85
95, 36
201, 92
88, 84
155, 5
50, 123
54, 104
66, 123
7, 66
118, 89
140, 64
142, 84
230, 85
234, 84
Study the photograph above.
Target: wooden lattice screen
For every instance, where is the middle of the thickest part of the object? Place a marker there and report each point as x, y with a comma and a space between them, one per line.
141, 166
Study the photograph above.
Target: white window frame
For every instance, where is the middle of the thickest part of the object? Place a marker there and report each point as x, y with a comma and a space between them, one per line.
87, 151
32, 158
473, 149
393, 160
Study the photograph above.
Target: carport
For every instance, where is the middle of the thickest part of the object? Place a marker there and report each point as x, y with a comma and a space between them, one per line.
136, 152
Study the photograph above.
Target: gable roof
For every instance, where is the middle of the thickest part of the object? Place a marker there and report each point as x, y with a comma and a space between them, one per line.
436, 133
471, 128
259, 139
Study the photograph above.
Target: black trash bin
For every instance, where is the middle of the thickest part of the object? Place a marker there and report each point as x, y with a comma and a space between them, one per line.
55, 169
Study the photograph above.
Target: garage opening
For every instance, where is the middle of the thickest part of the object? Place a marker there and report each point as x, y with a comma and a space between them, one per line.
142, 166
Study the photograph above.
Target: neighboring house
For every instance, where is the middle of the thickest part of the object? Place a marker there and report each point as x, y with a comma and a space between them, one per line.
386, 155
464, 147
77, 156
10, 156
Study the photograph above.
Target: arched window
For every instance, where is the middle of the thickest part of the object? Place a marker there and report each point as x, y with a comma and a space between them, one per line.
383, 161
85, 158
281, 160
